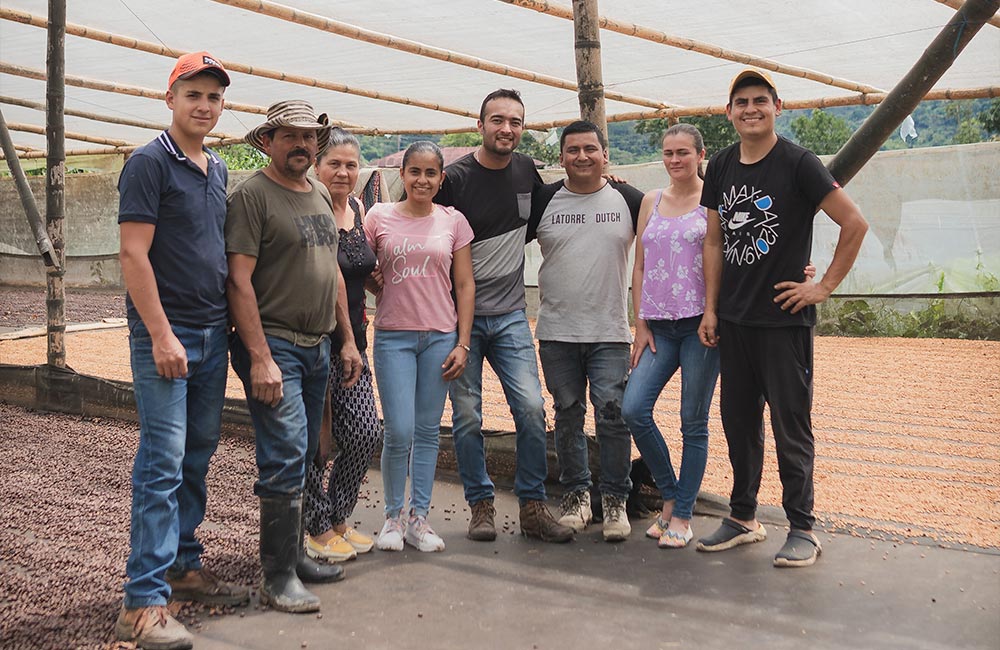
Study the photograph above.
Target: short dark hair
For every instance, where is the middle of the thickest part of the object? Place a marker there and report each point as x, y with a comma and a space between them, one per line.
423, 146
752, 81
582, 126
501, 93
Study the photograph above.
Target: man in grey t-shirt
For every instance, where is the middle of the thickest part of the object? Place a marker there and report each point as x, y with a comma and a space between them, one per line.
585, 226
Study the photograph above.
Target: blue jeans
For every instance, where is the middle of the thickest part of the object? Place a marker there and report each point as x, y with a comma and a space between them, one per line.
287, 435
412, 391
568, 368
677, 345
506, 342
179, 423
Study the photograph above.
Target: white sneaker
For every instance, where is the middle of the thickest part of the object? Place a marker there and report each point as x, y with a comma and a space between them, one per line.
391, 537
616, 526
421, 536
574, 510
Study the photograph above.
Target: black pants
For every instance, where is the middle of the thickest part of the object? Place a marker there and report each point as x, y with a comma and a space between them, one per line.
772, 365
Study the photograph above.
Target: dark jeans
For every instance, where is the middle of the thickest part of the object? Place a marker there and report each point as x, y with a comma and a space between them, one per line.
772, 365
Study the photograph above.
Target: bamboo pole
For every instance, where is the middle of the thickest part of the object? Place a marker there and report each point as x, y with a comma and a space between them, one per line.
900, 102
718, 109
141, 124
275, 10
55, 182
27, 197
135, 91
82, 137
957, 4
590, 77
231, 66
822, 102
631, 29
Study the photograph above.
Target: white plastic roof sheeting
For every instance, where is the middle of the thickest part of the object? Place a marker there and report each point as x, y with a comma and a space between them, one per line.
872, 43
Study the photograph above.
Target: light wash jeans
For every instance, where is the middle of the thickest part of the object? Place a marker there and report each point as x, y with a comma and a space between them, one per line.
568, 368
412, 392
677, 345
179, 423
506, 342
287, 435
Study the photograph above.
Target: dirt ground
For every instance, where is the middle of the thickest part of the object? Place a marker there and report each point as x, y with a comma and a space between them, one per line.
908, 449
907, 430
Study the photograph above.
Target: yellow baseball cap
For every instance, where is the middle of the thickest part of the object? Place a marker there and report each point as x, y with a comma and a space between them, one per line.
751, 73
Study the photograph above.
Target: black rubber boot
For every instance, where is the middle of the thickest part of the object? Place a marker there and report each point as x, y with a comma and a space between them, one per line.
280, 546
309, 570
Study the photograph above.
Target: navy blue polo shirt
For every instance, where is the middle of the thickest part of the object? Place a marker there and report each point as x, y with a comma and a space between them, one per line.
161, 186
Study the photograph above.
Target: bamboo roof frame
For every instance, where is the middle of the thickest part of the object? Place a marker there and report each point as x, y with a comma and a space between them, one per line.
110, 119
864, 94
70, 135
81, 31
283, 12
631, 29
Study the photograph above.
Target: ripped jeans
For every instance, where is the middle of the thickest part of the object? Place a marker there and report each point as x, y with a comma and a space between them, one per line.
568, 367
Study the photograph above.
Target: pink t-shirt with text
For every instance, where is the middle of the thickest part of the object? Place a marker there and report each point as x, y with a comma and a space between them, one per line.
414, 255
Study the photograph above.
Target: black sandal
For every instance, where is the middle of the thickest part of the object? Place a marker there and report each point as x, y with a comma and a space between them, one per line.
729, 535
800, 549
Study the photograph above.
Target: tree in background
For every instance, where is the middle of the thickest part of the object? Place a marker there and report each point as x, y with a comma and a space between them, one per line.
989, 118
460, 140
242, 157
969, 129
716, 130
821, 132
537, 149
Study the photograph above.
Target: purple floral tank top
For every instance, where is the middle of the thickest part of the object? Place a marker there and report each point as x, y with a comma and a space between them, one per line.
673, 280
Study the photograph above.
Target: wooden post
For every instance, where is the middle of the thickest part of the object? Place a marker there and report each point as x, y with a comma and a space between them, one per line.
589, 76
912, 88
55, 181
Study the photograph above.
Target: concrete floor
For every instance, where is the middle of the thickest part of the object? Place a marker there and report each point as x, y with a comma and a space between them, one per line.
519, 593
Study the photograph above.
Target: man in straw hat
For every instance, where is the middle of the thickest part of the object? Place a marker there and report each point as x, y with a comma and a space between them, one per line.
762, 194
171, 214
286, 295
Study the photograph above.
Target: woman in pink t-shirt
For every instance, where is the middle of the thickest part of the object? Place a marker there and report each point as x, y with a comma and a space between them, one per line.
421, 336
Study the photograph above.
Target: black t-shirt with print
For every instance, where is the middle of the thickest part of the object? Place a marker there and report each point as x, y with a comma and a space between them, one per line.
766, 211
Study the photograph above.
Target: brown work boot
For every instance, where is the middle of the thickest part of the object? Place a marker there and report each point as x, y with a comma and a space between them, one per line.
203, 586
152, 628
537, 521
481, 526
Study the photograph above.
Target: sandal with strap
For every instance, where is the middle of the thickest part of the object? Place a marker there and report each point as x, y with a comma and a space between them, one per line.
731, 534
800, 549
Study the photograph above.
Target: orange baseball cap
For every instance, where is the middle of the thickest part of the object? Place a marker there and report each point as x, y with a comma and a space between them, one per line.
751, 73
192, 63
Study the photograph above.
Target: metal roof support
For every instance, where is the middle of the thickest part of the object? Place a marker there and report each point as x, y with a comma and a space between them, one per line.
912, 88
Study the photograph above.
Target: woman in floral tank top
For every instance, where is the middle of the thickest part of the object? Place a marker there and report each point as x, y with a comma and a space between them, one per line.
668, 295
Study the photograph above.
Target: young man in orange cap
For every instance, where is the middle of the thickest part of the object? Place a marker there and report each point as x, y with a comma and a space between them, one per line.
762, 194
172, 211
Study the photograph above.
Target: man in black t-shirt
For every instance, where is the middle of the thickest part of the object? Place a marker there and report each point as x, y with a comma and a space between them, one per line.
492, 188
762, 194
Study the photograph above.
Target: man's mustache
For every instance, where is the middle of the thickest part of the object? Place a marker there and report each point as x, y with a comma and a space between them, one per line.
298, 152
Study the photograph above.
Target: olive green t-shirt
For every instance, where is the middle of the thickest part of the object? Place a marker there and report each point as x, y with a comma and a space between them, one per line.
294, 238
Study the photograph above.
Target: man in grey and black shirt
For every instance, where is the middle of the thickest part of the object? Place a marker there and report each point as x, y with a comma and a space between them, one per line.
492, 187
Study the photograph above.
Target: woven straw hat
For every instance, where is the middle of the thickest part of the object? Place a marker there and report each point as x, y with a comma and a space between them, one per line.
294, 114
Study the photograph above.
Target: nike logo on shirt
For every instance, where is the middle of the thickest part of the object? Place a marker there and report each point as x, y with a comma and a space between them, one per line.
739, 220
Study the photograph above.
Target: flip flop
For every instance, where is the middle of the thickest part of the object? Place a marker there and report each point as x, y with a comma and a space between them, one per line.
800, 549
731, 534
